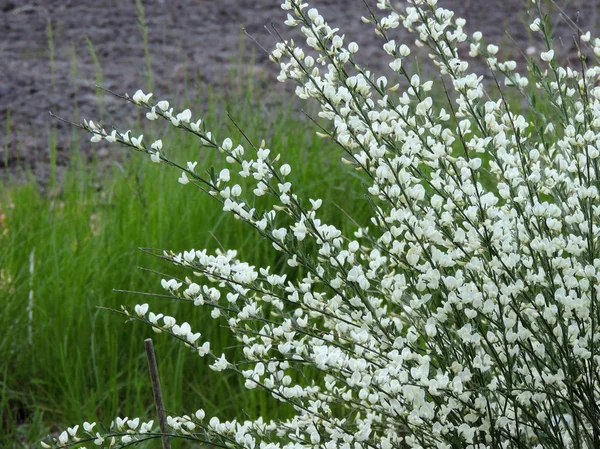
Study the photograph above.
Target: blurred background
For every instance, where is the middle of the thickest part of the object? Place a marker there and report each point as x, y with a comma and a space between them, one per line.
73, 214
53, 52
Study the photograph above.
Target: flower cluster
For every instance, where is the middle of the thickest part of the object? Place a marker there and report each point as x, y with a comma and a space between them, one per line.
467, 315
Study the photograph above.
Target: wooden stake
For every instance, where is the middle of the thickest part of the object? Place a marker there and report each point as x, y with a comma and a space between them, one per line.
156, 391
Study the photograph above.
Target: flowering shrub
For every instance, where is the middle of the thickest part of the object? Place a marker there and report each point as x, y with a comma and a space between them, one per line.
467, 315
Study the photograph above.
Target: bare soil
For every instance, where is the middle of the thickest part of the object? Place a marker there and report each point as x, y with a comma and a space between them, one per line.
194, 40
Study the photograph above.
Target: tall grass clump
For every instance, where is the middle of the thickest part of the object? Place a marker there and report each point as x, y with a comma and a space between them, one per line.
69, 357
465, 315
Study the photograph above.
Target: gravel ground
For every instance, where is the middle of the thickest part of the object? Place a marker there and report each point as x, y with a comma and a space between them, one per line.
198, 37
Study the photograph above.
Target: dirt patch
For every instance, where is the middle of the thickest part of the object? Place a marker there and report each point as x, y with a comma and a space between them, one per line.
187, 40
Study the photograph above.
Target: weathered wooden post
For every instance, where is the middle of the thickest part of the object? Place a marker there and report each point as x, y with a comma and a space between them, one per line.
156, 391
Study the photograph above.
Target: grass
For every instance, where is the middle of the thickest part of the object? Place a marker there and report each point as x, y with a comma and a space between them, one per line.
83, 362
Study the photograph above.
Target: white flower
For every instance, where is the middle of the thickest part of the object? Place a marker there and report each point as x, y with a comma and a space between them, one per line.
279, 234
153, 318
204, 349
227, 144
183, 179
120, 422
220, 364
133, 423
141, 98
196, 125
63, 438
137, 142
171, 284
112, 137
547, 55
396, 64
169, 321
390, 47
492, 49
285, 169
141, 309
157, 145
99, 440
184, 116
146, 427
337, 42
224, 175
152, 115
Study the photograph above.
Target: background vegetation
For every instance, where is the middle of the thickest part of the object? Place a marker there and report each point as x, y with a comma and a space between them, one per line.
68, 247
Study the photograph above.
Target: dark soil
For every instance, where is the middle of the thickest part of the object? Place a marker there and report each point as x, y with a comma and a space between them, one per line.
194, 39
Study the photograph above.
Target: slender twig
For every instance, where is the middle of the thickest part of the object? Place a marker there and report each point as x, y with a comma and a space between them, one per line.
116, 94
156, 391
255, 41
60, 119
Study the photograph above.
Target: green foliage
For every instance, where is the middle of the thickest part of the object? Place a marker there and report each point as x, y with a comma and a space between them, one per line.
81, 362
